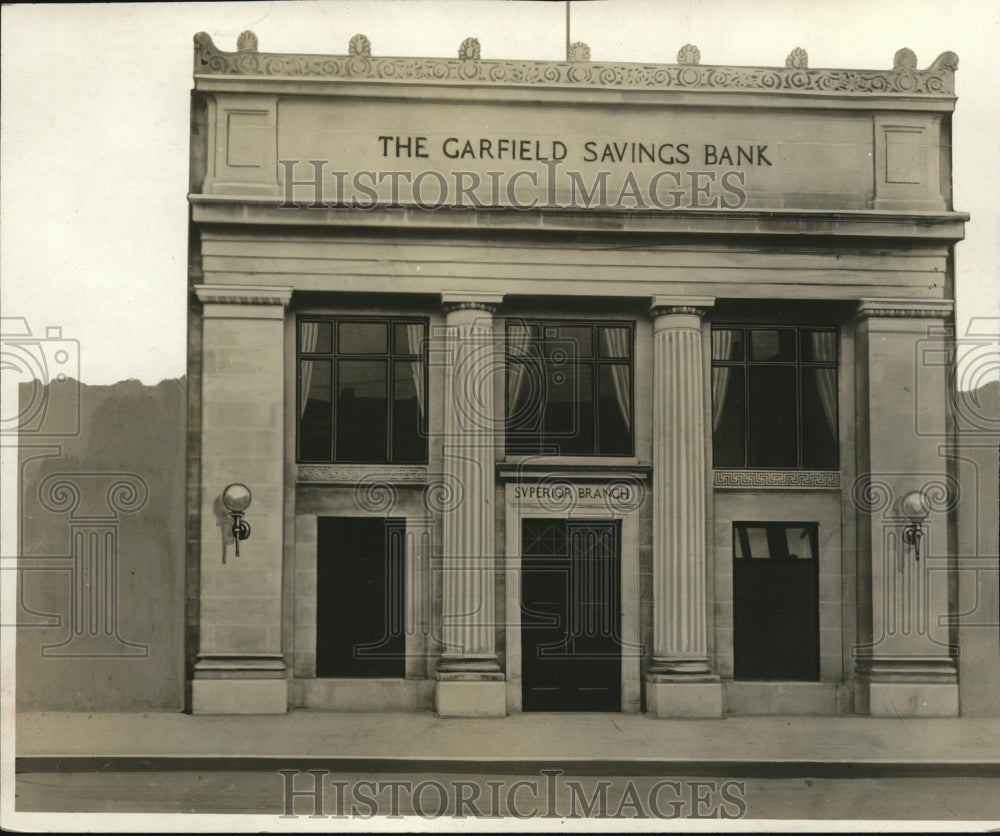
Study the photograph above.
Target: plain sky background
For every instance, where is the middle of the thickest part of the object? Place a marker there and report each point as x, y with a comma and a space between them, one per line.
95, 110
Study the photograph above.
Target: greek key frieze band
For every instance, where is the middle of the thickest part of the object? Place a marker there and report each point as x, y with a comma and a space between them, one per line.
347, 474
816, 479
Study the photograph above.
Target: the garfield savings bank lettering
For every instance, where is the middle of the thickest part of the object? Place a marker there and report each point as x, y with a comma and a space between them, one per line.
587, 151
616, 492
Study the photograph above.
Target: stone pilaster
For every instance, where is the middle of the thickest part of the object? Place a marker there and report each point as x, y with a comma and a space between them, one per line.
470, 682
680, 681
240, 668
905, 662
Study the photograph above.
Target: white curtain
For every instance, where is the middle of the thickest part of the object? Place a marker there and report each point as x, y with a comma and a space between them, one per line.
415, 338
722, 344
824, 346
616, 343
308, 337
518, 341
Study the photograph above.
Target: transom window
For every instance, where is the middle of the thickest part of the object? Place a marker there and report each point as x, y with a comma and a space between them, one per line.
362, 387
774, 397
569, 388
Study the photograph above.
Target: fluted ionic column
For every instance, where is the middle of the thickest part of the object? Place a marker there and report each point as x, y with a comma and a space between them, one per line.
680, 644
469, 677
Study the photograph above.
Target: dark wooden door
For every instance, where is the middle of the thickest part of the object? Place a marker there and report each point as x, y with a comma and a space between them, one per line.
571, 615
360, 600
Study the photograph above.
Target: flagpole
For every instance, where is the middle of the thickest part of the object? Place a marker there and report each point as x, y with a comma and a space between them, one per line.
567, 30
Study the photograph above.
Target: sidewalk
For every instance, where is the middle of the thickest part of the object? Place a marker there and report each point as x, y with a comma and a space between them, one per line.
775, 746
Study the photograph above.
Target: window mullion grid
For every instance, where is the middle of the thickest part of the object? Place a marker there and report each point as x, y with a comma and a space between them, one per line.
745, 336
595, 390
334, 388
390, 395
799, 430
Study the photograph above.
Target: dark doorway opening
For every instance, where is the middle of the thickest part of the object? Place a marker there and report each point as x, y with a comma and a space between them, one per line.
360, 597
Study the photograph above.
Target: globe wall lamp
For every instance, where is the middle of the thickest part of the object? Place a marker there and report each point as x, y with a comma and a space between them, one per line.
913, 506
236, 497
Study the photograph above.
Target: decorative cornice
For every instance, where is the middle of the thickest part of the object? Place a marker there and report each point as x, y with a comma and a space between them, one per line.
680, 305
903, 80
233, 294
905, 309
471, 301
757, 479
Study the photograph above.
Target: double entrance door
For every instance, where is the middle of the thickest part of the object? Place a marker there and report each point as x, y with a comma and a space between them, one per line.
571, 646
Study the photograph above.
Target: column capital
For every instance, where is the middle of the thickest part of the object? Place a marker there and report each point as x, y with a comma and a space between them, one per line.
243, 294
680, 305
469, 300
904, 309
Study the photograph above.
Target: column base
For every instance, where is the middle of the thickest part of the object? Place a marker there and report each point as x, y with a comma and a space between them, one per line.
226, 683
239, 696
464, 696
683, 696
906, 687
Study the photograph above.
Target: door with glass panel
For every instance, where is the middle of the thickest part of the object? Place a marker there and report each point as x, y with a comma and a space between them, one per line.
775, 601
571, 646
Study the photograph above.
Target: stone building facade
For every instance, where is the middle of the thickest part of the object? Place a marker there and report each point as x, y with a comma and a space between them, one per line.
571, 386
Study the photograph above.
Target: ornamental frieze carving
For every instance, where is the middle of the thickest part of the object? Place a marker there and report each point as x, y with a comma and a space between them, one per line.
936, 80
777, 479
